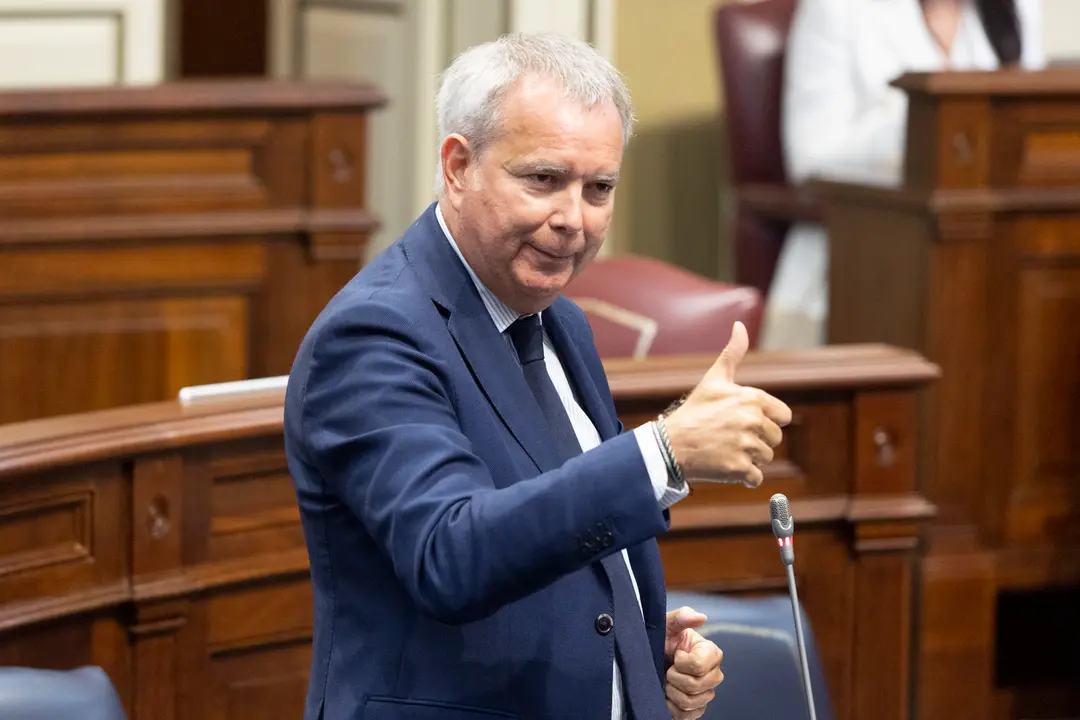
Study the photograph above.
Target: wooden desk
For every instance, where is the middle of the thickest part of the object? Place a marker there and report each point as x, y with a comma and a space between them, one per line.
157, 237
975, 262
163, 543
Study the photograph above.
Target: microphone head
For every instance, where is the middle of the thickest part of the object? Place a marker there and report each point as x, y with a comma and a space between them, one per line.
778, 508
780, 513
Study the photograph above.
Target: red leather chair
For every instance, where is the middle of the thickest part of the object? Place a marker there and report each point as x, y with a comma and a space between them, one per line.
640, 306
750, 38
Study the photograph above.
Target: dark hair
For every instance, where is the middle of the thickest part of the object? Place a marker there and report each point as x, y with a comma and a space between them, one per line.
1002, 25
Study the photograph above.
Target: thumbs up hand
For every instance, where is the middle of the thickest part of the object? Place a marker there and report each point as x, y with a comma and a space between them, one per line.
724, 432
733, 353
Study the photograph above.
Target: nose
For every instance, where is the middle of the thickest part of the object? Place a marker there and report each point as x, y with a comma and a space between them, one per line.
567, 219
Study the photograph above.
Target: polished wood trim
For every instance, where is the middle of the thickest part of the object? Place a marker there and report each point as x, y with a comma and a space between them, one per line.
820, 368
1013, 82
782, 202
184, 225
812, 511
974, 200
886, 508
19, 614
209, 576
232, 97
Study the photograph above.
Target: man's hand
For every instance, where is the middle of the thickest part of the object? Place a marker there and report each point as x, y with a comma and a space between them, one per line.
724, 431
693, 665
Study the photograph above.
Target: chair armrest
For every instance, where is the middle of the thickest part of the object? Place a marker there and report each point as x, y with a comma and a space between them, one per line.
782, 202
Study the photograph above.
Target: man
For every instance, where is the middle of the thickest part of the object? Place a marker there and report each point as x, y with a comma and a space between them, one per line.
481, 531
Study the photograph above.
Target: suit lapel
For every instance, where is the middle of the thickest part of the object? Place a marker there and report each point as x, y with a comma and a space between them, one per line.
483, 348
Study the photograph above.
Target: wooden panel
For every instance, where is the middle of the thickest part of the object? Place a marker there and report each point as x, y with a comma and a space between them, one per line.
1038, 144
883, 585
965, 144
886, 448
1042, 498
339, 159
150, 347
268, 682
120, 268
59, 535
37, 647
698, 562
138, 167
45, 532
252, 616
252, 507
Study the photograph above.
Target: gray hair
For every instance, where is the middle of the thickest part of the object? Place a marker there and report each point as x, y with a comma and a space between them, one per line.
475, 84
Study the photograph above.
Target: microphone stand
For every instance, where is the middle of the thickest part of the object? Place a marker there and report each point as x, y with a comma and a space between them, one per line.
783, 527
799, 636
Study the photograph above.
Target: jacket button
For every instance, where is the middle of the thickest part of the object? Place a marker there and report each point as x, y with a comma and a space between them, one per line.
604, 623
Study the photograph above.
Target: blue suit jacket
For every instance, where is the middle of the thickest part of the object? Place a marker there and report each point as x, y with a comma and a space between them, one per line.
458, 572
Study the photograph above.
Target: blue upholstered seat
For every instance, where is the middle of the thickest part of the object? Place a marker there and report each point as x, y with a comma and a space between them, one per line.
761, 657
85, 693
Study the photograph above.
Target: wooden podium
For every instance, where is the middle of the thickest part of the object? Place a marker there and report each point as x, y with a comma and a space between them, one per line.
171, 235
974, 260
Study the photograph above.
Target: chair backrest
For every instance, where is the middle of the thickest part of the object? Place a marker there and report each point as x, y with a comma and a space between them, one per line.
85, 693
762, 674
640, 306
750, 39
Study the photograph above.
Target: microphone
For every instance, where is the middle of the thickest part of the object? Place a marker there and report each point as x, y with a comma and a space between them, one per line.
783, 527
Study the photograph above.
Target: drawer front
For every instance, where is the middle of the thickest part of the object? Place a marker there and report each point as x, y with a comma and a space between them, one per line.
164, 166
1036, 144
62, 536
242, 505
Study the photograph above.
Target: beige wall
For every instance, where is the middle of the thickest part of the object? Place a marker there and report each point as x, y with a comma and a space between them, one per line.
669, 201
1062, 23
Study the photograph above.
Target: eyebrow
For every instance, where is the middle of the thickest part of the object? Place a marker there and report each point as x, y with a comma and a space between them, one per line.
560, 171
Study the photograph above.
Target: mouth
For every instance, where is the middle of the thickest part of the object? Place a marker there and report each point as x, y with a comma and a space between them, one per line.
553, 255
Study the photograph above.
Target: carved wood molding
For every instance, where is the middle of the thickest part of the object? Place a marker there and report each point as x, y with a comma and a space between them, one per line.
210, 576
965, 226
18, 614
277, 221
213, 96
883, 515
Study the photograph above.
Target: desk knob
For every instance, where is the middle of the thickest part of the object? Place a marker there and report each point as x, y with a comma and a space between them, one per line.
965, 151
886, 450
158, 518
342, 164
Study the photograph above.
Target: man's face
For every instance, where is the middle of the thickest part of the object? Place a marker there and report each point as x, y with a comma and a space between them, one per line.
532, 210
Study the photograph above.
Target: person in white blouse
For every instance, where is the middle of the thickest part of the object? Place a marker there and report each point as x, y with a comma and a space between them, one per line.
842, 120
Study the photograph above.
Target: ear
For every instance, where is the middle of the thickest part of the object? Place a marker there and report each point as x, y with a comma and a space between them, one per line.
457, 159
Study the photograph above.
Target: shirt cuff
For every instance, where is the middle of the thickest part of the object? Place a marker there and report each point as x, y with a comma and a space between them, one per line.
654, 463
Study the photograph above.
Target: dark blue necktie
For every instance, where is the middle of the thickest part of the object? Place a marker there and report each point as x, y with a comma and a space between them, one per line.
640, 681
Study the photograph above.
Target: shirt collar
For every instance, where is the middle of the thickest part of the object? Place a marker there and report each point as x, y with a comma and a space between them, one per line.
502, 315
